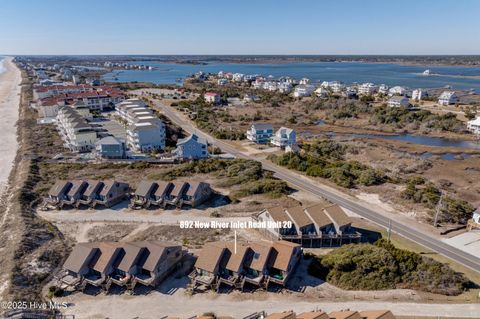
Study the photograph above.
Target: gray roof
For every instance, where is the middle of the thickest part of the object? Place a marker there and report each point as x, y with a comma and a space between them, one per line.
145, 188
109, 140
194, 186
192, 137
59, 188
78, 257
262, 126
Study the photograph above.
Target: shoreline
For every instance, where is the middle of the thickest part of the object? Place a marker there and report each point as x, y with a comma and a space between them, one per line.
10, 81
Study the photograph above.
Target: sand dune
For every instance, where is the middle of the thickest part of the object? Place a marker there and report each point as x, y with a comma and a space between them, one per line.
9, 102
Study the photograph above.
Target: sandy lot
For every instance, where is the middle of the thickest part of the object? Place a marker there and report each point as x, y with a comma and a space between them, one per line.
157, 305
9, 102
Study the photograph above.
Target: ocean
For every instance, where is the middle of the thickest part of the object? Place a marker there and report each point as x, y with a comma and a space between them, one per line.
348, 72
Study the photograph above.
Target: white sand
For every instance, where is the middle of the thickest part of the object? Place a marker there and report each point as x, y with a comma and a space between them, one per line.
9, 103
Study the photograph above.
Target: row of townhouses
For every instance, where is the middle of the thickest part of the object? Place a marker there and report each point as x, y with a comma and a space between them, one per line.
74, 129
125, 264
110, 192
321, 224
257, 263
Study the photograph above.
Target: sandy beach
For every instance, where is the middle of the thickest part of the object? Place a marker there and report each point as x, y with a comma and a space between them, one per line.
10, 81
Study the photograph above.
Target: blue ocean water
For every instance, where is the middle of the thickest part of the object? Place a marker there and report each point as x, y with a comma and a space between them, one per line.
347, 72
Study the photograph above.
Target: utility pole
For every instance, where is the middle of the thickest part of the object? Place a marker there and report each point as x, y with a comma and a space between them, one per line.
437, 209
389, 229
235, 244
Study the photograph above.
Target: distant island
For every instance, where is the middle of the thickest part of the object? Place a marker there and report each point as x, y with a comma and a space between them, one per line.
459, 60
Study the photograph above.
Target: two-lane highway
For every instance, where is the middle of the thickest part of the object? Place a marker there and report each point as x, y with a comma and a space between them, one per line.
408, 231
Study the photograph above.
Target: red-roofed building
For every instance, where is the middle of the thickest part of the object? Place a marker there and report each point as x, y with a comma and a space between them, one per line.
212, 97
50, 98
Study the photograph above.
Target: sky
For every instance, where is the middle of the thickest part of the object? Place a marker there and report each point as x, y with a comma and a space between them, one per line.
240, 27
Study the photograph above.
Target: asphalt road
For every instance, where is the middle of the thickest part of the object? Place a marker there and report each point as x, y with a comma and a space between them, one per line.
344, 200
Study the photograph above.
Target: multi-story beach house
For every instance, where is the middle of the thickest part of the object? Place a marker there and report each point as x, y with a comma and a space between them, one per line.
398, 101
367, 89
447, 98
334, 86
192, 147
284, 136
474, 125
212, 97
260, 133
303, 90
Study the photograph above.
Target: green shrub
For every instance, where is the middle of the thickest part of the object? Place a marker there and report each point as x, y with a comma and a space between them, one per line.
383, 266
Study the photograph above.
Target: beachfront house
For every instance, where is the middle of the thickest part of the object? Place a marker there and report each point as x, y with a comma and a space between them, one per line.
91, 192
210, 262
112, 193
191, 147
260, 133
197, 193
177, 192
104, 265
474, 125
127, 267
57, 192
212, 97
256, 264
447, 98
158, 261
110, 147
283, 137
143, 195
75, 192
232, 273
398, 101
286, 256
161, 193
